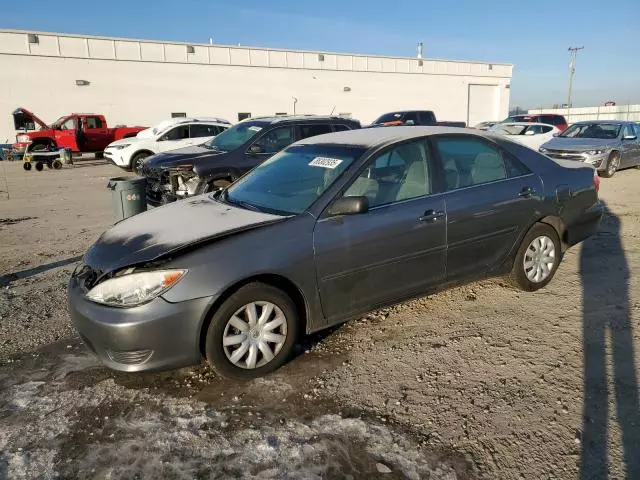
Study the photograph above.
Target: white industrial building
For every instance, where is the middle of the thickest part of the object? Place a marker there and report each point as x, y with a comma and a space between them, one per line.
140, 82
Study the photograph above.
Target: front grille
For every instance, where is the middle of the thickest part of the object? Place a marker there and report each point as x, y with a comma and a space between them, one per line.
561, 155
130, 357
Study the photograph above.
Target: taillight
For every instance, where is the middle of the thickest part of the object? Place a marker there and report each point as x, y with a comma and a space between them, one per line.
596, 180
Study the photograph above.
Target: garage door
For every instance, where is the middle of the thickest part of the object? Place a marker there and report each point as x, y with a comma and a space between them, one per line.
483, 104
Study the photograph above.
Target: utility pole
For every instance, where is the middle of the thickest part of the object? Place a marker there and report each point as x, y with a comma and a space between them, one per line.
572, 69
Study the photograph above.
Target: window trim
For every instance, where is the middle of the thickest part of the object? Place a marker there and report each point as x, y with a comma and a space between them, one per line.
181, 125
505, 154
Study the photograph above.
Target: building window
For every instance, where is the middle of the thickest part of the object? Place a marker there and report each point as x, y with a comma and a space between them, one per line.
243, 116
178, 114
33, 38
281, 114
320, 57
191, 49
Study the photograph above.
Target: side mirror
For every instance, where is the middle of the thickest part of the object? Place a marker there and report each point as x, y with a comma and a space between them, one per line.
349, 206
629, 137
255, 149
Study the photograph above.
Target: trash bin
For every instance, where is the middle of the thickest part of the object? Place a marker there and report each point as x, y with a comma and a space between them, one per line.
128, 195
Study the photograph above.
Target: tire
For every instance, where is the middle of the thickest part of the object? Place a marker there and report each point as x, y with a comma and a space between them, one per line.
613, 163
523, 274
26, 166
39, 166
136, 162
99, 155
220, 357
57, 164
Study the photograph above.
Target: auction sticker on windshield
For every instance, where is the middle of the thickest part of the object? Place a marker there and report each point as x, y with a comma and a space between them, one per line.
325, 162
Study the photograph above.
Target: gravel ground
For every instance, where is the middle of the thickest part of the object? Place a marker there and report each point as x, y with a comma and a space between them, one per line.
480, 381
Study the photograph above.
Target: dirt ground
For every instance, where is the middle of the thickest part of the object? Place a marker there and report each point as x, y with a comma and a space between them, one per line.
480, 381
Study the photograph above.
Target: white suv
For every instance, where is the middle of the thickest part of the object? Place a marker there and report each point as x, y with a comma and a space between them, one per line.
168, 135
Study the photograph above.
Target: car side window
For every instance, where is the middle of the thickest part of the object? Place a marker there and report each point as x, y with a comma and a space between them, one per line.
545, 128
69, 124
275, 140
307, 131
94, 122
411, 118
628, 131
202, 130
400, 173
469, 161
178, 133
340, 128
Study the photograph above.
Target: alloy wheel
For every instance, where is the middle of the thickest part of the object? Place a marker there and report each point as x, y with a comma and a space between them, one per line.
539, 259
254, 334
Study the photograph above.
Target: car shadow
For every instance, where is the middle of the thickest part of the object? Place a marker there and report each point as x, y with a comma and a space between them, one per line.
30, 272
606, 315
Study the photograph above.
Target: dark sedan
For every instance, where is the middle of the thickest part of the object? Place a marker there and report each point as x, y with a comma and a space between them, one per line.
324, 231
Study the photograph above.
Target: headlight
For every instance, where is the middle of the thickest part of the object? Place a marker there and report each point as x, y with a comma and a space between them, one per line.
543, 150
119, 147
23, 138
135, 288
594, 152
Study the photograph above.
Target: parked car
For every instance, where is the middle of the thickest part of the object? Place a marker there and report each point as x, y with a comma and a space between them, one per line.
557, 121
328, 229
169, 135
532, 135
607, 145
81, 132
484, 125
407, 117
215, 164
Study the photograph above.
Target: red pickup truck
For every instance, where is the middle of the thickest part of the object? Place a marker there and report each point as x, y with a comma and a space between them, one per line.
81, 132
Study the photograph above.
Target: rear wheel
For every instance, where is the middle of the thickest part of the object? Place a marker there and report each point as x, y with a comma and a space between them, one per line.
537, 259
252, 333
39, 166
613, 164
138, 161
26, 166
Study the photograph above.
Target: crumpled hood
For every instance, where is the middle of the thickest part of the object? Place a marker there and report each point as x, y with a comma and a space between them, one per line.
192, 155
161, 231
579, 144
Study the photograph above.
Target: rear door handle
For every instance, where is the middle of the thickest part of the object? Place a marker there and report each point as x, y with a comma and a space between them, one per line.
527, 192
431, 216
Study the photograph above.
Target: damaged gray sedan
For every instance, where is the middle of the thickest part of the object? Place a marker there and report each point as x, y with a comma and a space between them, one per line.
324, 231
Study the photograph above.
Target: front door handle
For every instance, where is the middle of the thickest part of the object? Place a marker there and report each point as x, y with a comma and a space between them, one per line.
431, 216
527, 192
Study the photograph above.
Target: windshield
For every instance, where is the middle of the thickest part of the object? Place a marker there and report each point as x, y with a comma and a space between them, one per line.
235, 136
59, 121
290, 181
592, 130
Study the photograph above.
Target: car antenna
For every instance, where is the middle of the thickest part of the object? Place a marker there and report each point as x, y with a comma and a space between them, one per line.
332, 110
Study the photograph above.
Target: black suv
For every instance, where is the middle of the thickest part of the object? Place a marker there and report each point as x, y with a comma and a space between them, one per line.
215, 164
406, 117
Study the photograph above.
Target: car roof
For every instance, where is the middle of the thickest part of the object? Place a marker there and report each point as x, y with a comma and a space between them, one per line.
594, 122
300, 118
526, 124
375, 137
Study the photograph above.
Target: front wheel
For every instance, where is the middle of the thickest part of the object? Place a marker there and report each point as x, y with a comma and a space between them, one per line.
252, 333
537, 259
613, 164
137, 162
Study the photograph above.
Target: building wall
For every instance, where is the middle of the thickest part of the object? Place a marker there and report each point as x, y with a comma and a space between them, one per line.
143, 82
617, 112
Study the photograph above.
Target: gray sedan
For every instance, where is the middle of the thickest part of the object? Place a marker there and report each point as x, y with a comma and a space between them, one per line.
608, 145
326, 230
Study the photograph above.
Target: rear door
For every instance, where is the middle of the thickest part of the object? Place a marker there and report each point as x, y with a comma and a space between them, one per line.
96, 133
201, 132
176, 137
395, 250
491, 199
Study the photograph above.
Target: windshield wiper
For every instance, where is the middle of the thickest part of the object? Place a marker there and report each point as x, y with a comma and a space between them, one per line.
246, 205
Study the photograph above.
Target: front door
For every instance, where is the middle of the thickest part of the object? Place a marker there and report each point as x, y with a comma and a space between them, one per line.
393, 251
177, 137
491, 200
630, 146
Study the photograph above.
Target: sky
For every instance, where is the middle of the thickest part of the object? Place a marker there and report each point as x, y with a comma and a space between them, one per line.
534, 36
